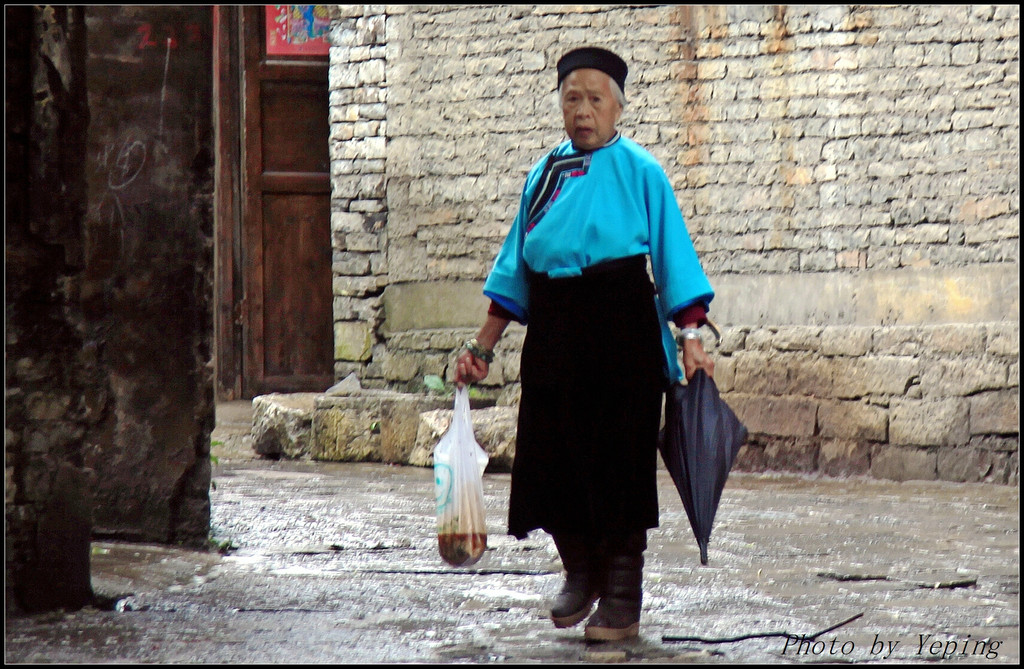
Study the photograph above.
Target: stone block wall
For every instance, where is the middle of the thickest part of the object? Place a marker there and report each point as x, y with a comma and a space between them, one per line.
895, 402
358, 100
848, 170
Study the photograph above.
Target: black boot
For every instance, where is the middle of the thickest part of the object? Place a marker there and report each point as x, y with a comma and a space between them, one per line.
581, 561
618, 614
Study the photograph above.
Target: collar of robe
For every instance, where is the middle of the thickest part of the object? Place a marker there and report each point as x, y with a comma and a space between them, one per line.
611, 141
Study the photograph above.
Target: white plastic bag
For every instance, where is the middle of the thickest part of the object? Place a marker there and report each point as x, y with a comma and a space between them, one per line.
459, 465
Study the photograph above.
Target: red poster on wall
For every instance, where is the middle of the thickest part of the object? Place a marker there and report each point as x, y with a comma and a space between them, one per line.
297, 30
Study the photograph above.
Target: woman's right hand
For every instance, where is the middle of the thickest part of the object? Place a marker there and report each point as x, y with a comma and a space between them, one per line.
470, 369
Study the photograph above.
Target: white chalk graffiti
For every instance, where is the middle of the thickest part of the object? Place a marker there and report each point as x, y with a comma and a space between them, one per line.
123, 162
163, 88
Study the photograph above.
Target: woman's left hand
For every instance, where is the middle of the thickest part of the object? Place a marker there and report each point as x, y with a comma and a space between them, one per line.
695, 357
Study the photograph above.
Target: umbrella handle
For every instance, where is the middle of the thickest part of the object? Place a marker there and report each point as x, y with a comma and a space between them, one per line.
714, 328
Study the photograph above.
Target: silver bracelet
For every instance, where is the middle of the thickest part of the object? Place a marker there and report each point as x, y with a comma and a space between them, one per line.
691, 333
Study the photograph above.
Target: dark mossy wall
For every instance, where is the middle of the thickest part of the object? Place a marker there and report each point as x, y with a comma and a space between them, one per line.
109, 272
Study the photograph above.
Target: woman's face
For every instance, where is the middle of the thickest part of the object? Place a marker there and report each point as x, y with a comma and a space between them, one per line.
589, 108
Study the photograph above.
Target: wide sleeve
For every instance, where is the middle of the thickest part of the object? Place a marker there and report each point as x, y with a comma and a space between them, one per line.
678, 274
507, 282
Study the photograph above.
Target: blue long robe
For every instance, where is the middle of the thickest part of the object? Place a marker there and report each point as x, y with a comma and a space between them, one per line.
591, 207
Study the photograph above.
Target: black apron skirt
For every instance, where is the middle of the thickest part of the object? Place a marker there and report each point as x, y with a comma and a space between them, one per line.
593, 378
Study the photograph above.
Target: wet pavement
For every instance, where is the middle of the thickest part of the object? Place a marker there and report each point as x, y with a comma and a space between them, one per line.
338, 563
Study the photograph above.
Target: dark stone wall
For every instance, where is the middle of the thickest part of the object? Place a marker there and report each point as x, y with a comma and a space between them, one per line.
108, 288
147, 288
48, 488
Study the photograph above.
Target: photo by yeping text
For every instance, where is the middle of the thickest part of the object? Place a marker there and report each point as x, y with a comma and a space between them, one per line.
924, 646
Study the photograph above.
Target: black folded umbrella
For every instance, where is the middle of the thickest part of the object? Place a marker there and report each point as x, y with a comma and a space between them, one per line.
699, 444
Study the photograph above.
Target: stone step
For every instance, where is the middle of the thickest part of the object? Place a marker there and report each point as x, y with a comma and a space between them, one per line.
282, 425
372, 426
494, 429
352, 424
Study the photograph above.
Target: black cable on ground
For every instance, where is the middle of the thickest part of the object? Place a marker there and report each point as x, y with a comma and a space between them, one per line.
760, 635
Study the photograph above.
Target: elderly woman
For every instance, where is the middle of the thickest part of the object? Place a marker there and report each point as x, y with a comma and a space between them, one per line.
598, 353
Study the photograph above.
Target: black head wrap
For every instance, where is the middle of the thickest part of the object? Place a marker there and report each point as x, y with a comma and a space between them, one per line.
595, 58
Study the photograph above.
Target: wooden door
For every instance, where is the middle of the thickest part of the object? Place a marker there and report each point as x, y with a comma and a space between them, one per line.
287, 333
